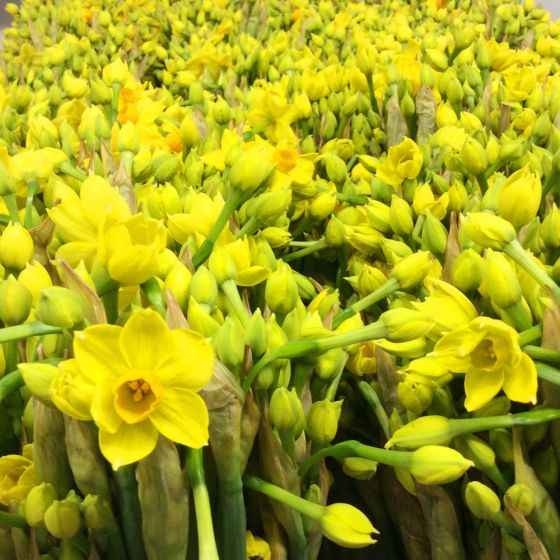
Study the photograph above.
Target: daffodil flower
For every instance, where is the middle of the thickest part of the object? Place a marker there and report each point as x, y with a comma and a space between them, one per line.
487, 351
137, 381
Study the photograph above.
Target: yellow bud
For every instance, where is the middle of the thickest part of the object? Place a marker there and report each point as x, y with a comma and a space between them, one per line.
128, 138
38, 500
520, 196
188, 131
221, 112
414, 393
499, 280
330, 364
16, 246
433, 464
200, 320
62, 517
366, 57
178, 282
322, 205
437, 59
466, 270
74, 87
477, 450
473, 157
96, 512
15, 301
488, 230
400, 216
251, 171
256, 335
481, 500
404, 324
204, 288
229, 344
166, 166
322, 421
358, 468
434, 235
411, 271
115, 73
521, 497
347, 526
38, 378
426, 430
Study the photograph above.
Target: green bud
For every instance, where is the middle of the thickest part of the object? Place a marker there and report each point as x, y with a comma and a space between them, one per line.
477, 450
546, 468
96, 511
166, 167
521, 497
269, 206
286, 411
404, 324
426, 430
434, 235
199, 318
488, 230
550, 227
358, 468
256, 334
229, 344
437, 60
62, 517
466, 270
473, 157
481, 500
15, 301
500, 281
400, 216
37, 502
335, 168
221, 111
322, 421
281, 292
204, 288
501, 443
330, 364
188, 131
60, 307
414, 395
335, 232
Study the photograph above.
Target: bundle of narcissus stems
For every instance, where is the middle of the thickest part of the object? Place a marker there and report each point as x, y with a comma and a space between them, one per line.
279, 278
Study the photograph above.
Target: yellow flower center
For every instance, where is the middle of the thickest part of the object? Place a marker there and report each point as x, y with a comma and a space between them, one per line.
484, 356
136, 399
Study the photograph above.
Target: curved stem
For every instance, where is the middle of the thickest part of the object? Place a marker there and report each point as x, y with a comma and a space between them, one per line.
542, 353
229, 287
530, 335
35, 328
372, 399
32, 189
11, 203
317, 246
8, 520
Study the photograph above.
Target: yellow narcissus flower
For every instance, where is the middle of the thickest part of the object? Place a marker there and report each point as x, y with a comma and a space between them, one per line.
519, 196
257, 548
137, 381
487, 351
404, 161
17, 476
347, 526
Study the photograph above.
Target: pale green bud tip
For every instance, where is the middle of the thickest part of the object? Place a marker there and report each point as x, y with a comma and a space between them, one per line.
481, 500
521, 497
60, 307
434, 464
427, 430
347, 526
488, 230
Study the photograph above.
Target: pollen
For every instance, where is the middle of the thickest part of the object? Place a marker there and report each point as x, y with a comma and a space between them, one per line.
139, 389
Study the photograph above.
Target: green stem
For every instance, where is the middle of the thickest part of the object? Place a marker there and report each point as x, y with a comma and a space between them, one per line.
130, 513
515, 250
319, 245
538, 353
249, 227
11, 354
233, 526
341, 125
8, 520
111, 303
520, 316
205, 529
115, 545
10, 383
352, 448
115, 102
229, 287
153, 292
26, 330
544, 371
508, 524
11, 203
67, 168
304, 347
303, 226
372, 98
372, 399
231, 204
32, 189
482, 182
382, 292
305, 507
5, 220
530, 335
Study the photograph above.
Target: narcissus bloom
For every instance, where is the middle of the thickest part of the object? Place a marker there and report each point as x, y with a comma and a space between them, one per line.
487, 351
137, 381
404, 161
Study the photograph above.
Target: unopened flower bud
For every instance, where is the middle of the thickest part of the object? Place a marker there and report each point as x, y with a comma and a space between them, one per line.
466, 270
473, 157
38, 500
520, 196
411, 271
250, 171
188, 131
347, 526
166, 166
115, 73
433, 464
322, 421
426, 430
286, 411
15, 301
96, 511
488, 230
222, 265
404, 324
38, 378
256, 334
221, 111
434, 235
178, 281
330, 363
62, 518
335, 167
16, 246
500, 281
128, 138
228, 343
481, 500
60, 307
415, 395
477, 450
281, 292
358, 468
522, 498
204, 287
401, 216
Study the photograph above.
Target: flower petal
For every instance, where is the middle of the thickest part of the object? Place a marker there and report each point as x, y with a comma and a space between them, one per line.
130, 443
520, 381
103, 408
146, 341
189, 365
182, 417
97, 352
481, 387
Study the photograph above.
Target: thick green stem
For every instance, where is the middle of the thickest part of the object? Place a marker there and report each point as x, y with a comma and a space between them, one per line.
130, 513
111, 304
319, 245
392, 285
372, 399
305, 507
231, 204
8, 520
544, 371
530, 335
205, 528
249, 227
304, 347
515, 250
10, 383
372, 98
352, 448
11, 203
26, 330
233, 526
508, 524
538, 353
520, 316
